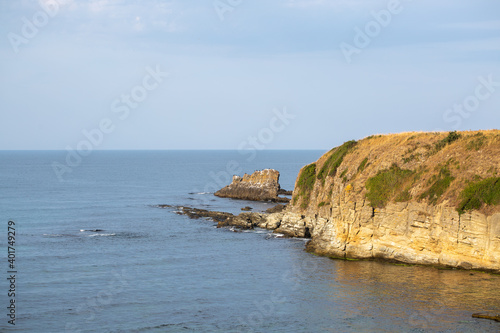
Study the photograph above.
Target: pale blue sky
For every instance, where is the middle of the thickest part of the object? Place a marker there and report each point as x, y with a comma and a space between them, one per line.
233, 64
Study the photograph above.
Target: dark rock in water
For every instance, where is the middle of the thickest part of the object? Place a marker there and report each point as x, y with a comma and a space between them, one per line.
247, 208
259, 186
163, 206
196, 213
223, 219
276, 209
284, 192
244, 221
491, 316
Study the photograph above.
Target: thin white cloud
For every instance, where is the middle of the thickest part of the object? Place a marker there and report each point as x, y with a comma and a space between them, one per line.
479, 25
303, 4
58, 3
103, 5
118, 16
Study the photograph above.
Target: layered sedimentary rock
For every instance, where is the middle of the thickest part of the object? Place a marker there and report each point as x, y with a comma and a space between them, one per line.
406, 232
259, 186
418, 219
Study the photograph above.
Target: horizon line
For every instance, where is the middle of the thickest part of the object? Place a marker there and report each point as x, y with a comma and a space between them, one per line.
175, 149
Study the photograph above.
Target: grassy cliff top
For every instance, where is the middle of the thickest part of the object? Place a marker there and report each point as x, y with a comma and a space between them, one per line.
459, 169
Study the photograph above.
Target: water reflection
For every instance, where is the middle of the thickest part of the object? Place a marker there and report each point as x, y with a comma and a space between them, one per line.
369, 296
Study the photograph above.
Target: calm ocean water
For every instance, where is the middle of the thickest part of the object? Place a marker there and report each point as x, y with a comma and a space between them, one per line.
150, 270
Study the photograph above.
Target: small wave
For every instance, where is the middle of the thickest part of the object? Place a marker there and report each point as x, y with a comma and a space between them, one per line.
201, 193
91, 230
101, 235
234, 229
275, 235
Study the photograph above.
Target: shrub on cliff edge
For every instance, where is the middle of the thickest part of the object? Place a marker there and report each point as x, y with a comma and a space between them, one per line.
452, 136
477, 194
331, 165
386, 185
306, 184
440, 184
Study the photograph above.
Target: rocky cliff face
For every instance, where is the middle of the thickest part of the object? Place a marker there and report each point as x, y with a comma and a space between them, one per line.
426, 198
259, 186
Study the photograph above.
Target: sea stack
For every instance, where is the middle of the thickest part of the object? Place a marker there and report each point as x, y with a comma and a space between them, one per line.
259, 186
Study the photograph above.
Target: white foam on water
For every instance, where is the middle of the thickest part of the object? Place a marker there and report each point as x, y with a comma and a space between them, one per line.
101, 235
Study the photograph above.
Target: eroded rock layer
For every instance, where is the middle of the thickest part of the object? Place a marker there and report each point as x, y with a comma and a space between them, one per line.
423, 198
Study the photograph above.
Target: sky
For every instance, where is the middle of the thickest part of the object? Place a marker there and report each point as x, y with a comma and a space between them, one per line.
241, 74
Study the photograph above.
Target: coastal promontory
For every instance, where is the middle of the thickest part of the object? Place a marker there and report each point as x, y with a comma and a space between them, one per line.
416, 198
421, 198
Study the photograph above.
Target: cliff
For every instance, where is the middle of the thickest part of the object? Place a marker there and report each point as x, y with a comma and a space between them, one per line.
426, 198
259, 186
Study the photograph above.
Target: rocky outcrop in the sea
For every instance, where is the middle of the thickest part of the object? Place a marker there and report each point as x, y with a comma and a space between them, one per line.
259, 186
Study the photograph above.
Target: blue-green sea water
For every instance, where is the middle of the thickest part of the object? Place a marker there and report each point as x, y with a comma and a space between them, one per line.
148, 269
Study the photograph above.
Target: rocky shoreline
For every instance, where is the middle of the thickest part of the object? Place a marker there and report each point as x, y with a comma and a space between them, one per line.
282, 221
287, 224
245, 221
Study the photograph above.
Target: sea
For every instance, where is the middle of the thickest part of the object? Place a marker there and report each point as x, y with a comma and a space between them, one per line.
93, 252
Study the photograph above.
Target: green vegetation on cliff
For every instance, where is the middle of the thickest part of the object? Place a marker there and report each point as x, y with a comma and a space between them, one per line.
457, 169
305, 184
335, 159
477, 194
363, 164
452, 136
388, 185
439, 184
476, 142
